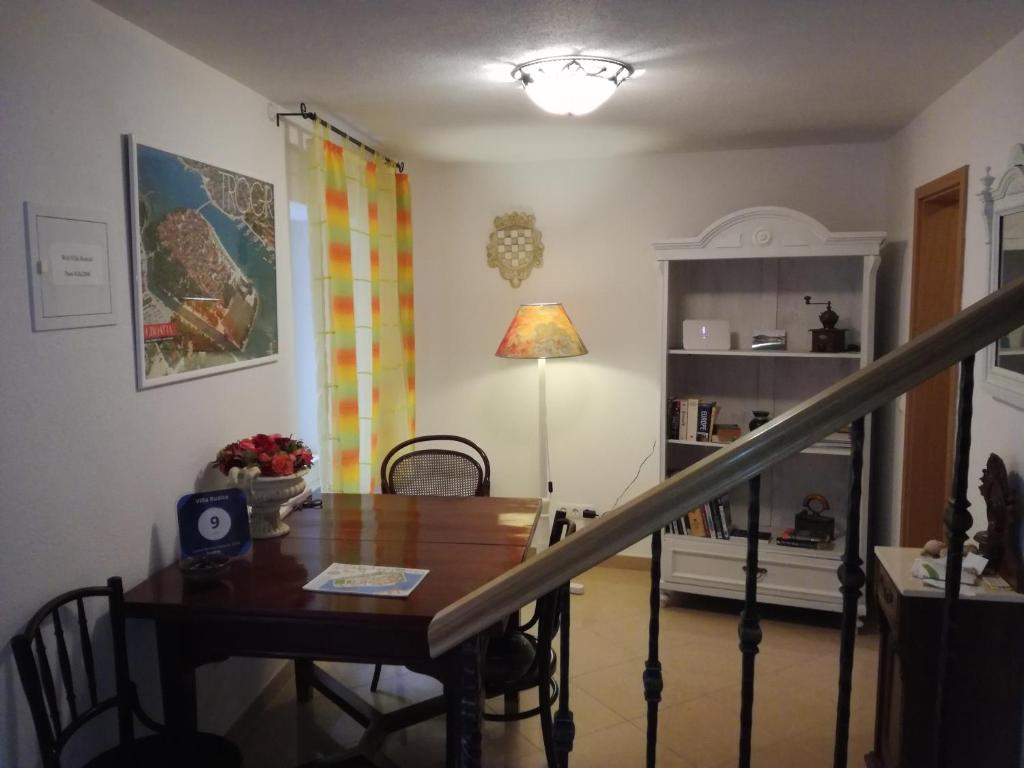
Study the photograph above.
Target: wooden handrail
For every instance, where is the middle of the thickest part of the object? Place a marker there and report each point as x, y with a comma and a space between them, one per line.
800, 427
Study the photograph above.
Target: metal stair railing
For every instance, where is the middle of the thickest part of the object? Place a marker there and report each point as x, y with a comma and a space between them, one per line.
460, 625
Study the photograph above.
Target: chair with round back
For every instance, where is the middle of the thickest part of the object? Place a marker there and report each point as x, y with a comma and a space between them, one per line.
57, 710
520, 660
435, 471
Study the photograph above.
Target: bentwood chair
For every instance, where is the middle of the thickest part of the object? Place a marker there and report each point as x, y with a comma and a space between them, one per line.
519, 661
435, 471
59, 710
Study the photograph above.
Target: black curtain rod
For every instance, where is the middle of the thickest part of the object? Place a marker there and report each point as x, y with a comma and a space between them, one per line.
305, 114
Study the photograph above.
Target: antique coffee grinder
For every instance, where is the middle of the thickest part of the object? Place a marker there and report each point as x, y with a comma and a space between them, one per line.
828, 338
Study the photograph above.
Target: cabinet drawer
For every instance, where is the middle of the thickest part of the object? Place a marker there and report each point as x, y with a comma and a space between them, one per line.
887, 595
718, 568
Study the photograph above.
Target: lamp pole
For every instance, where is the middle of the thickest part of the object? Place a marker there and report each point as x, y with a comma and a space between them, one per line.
545, 455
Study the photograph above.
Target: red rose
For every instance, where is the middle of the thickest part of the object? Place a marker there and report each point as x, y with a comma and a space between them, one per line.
282, 464
274, 454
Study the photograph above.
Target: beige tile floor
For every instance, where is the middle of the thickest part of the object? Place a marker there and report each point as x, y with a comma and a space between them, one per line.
794, 718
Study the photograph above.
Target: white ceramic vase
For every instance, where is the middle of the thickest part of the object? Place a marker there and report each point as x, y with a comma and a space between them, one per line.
266, 495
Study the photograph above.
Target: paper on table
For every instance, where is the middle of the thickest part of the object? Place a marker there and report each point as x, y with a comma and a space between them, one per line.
369, 580
935, 568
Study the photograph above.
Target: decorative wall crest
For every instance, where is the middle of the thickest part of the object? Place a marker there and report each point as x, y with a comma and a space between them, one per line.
515, 247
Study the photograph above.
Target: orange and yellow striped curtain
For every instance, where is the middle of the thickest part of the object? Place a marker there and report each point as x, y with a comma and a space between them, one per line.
366, 342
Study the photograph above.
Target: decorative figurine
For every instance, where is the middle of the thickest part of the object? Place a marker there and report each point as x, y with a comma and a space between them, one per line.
828, 338
760, 419
933, 548
999, 508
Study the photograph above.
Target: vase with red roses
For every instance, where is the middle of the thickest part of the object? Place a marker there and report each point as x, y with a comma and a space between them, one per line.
270, 470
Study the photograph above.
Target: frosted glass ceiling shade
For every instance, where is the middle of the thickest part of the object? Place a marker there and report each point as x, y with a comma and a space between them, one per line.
571, 85
540, 331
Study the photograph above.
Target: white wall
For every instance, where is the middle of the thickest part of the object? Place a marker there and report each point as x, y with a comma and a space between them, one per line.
598, 219
974, 123
91, 468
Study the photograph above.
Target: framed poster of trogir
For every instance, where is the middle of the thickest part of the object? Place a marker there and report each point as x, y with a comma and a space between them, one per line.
204, 267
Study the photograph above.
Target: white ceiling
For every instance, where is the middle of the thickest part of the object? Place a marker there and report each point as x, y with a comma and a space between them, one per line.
431, 79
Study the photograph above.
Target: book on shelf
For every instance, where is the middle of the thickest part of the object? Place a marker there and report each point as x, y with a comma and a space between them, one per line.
674, 414
707, 411
791, 537
710, 520
696, 519
682, 418
724, 515
691, 418
716, 521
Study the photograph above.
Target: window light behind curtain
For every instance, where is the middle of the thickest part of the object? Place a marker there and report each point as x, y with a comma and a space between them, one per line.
360, 265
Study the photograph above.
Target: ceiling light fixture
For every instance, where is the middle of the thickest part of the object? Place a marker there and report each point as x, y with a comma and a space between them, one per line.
571, 85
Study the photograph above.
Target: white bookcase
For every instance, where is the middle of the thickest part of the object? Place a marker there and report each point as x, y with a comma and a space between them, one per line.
753, 268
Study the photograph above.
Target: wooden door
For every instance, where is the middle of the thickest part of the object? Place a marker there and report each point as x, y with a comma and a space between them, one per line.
935, 295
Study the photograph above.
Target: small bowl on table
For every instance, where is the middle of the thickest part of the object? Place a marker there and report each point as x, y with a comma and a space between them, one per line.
204, 568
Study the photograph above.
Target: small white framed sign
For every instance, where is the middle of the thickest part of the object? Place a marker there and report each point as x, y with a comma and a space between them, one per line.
69, 267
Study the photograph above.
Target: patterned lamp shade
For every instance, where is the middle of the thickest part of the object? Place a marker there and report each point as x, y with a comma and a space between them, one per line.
541, 331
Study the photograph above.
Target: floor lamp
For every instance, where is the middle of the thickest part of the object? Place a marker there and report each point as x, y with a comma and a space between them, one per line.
538, 332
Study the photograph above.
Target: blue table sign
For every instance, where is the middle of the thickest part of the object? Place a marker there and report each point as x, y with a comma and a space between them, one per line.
214, 523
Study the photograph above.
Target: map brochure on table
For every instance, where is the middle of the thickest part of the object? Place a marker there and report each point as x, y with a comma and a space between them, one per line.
368, 580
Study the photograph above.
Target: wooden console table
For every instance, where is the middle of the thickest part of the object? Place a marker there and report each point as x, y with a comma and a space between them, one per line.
987, 682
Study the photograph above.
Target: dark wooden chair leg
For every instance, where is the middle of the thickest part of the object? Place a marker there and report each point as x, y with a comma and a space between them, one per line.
565, 727
546, 724
376, 677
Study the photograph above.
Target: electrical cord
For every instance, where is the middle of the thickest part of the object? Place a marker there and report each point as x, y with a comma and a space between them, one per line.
638, 470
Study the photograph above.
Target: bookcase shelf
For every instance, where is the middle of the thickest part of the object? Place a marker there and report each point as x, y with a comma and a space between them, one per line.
767, 547
767, 353
753, 268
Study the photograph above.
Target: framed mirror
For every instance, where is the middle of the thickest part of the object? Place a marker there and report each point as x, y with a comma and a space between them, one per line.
1004, 211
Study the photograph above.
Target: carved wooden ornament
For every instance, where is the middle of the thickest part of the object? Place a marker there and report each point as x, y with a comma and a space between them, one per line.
515, 247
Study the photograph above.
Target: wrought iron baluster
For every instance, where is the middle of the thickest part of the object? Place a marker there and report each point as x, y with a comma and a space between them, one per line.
958, 522
472, 715
565, 729
653, 683
750, 625
851, 580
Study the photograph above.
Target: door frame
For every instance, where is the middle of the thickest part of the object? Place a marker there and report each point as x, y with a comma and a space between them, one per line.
954, 181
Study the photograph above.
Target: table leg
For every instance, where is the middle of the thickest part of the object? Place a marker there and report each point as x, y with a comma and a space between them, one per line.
303, 680
453, 709
471, 720
177, 679
463, 694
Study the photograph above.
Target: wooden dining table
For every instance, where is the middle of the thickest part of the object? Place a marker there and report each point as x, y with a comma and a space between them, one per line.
259, 609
